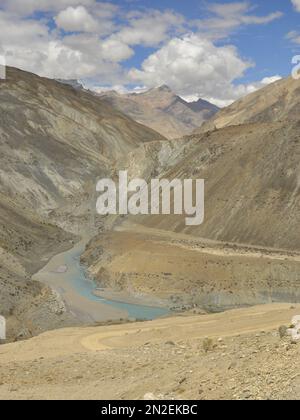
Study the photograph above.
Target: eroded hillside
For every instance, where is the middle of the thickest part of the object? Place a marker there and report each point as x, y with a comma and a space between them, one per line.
278, 101
55, 142
164, 111
252, 217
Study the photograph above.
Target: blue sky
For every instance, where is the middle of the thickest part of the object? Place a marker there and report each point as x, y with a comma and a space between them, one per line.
266, 44
219, 50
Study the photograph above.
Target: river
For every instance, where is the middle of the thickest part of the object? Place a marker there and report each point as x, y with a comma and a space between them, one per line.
68, 277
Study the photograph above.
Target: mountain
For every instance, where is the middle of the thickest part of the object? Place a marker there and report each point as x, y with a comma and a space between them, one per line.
275, 102
247, 251
162, 110
55, 142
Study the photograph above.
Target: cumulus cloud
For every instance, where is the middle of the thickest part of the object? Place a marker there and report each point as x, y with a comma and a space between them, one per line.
121, 89
116, 50
76, 19
271, 79
89, 39
27, 7
30, 45
236, 92
150, 28
192, 64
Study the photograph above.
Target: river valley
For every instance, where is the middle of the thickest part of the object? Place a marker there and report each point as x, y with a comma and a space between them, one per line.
68, 277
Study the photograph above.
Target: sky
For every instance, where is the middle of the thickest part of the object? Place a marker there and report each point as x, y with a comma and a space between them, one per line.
216, 50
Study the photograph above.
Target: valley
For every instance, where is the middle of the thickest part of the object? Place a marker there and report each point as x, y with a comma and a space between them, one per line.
149, 203
80, 294
76, 285
55, 142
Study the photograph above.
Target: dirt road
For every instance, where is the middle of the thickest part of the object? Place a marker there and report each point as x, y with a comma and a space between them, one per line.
165, 357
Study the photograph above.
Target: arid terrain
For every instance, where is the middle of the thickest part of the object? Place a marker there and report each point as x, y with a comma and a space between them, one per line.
236, 355
252, 211
277, 102
189, 272
56, 142
162, 110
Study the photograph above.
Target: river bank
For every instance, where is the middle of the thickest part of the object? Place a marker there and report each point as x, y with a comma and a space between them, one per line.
124, 297
64, 274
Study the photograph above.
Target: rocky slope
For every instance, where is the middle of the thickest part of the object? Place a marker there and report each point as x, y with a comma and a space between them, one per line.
276, 102
54, 139
162, 110
252, 205
55, 142
252, 193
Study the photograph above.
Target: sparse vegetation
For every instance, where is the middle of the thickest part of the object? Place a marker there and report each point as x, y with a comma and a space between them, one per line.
208, 345
282, 331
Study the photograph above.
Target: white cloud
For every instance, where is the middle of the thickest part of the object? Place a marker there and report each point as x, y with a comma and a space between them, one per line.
150, 28
27, 7
271, 79
115, 50
296, 4
29, 45
118, 88
236, 91
294, 36
97, 42
191, 64
228, 17
101, 35
76, 19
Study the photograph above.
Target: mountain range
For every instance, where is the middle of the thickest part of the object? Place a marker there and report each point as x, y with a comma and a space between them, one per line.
56, 141
247, 250
162, 110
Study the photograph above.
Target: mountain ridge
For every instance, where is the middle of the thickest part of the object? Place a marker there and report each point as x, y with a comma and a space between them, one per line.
161, 109
275, 102
55, 142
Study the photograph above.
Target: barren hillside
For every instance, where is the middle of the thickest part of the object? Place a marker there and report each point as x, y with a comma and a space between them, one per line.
162, 110
252, 205
276, 102
55, 142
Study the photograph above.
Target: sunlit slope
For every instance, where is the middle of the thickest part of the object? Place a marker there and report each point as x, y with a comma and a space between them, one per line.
275, 102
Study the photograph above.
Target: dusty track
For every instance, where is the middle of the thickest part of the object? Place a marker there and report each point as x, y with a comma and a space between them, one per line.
165, 357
